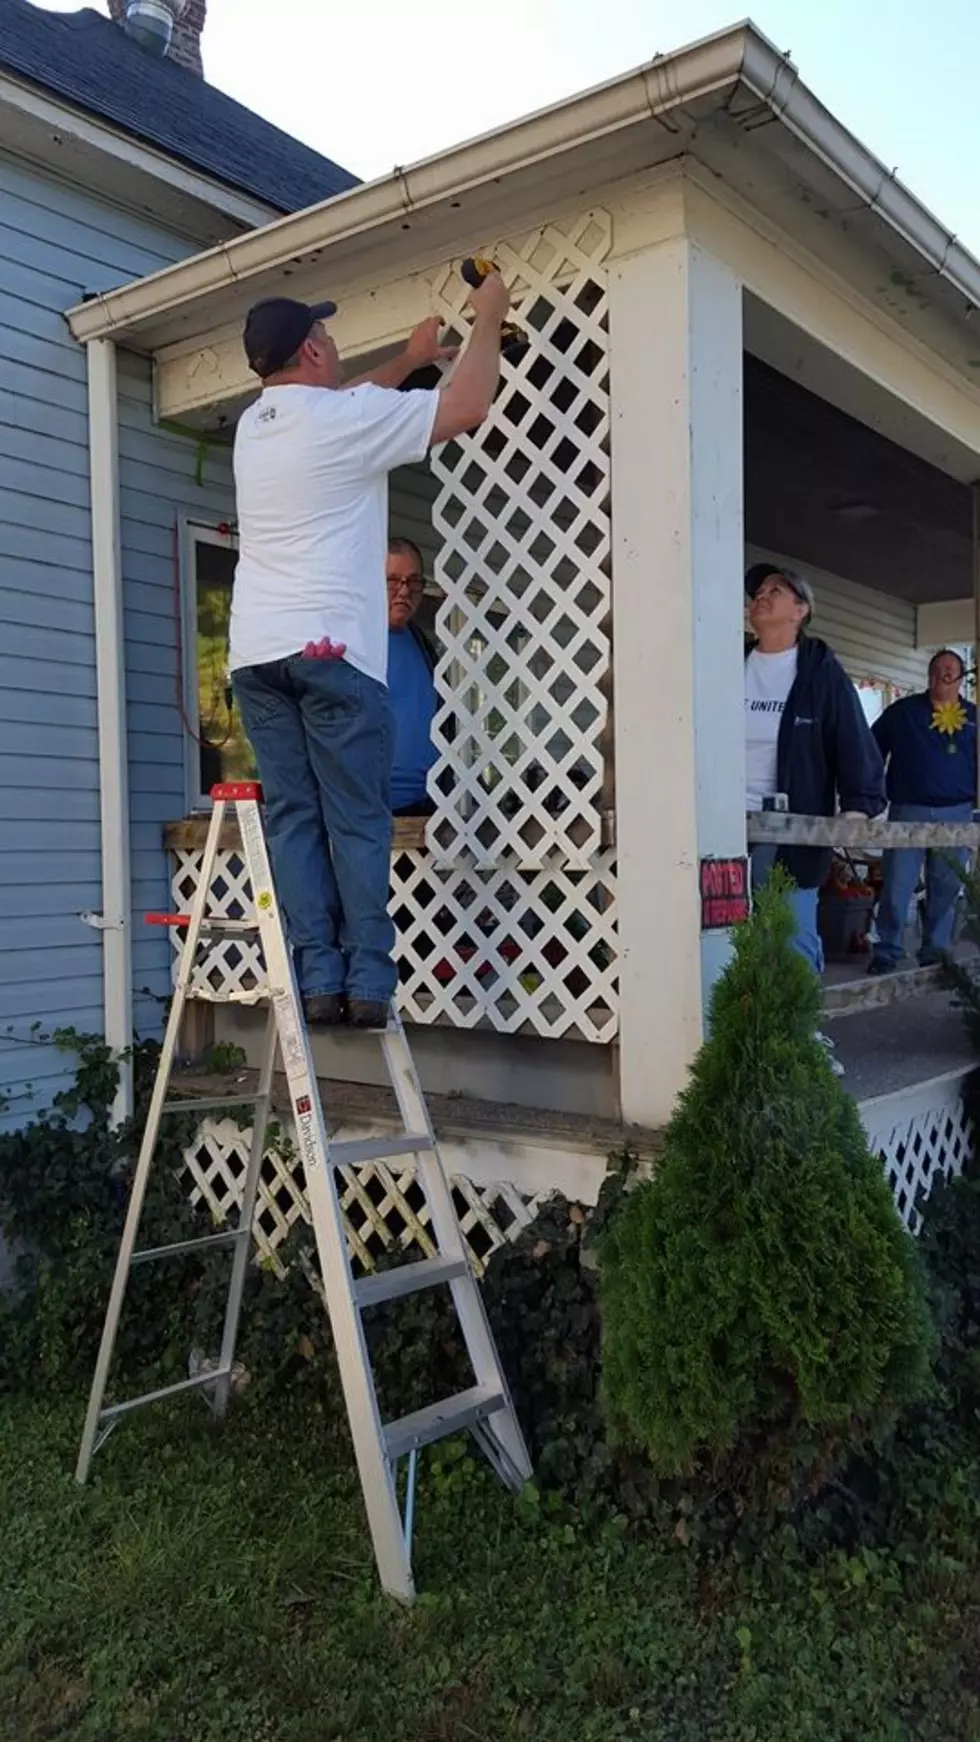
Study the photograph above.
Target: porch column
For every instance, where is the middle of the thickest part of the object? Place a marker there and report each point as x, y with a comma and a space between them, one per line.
678, 551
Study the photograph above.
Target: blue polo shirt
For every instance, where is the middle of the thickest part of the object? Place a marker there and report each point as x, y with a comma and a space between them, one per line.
927, 765
413, 702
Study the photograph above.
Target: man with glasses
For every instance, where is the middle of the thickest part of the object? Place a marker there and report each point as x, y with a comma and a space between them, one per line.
929, 742
411, 685
309, 638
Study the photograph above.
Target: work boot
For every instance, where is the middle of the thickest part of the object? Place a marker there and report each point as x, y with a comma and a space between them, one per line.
367, 1013
324, 1009
879, 965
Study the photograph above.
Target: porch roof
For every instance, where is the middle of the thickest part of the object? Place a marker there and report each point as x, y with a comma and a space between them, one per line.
726, 100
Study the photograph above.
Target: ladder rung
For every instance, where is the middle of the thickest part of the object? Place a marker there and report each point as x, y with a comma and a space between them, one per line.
408, 1279
207, 1104
216, 922
377, 1148
438, 1420
227, 1237
117, 1409
234, 927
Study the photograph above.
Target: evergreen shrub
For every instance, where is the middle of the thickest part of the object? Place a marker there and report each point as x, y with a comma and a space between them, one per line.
763, 1308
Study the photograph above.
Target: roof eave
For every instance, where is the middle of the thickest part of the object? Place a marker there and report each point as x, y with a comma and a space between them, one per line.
635, 98
740, 55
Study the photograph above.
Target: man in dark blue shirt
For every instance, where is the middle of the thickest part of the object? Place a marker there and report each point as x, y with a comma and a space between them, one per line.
411, 686
929, 743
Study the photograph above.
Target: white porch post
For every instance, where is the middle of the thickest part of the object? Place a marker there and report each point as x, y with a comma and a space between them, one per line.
676, 332
114, 921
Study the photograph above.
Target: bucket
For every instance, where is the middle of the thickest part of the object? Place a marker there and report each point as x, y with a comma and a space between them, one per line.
843, 922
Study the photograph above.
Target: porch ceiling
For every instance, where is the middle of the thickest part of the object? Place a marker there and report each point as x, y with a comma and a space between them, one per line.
845, 498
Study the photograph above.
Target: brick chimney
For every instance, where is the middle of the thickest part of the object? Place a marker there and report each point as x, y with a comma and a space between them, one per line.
185, 46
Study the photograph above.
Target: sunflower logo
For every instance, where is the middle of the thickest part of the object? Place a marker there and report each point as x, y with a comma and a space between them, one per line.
948, 718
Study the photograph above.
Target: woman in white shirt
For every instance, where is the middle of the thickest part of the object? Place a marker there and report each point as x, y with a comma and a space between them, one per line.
805, 735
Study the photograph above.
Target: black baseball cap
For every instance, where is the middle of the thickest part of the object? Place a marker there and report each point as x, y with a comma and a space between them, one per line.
276, 327
760, 572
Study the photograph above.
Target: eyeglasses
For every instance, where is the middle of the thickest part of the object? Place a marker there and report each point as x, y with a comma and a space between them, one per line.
406, 583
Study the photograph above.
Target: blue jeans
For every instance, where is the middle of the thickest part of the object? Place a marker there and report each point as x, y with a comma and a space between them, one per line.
901, 870
803, 902
323, 737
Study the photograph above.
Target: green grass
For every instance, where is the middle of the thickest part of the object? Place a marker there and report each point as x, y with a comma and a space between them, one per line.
217, 1586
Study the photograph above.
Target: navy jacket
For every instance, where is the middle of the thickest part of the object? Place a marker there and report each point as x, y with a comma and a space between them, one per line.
429, 650
926, 766
827, 757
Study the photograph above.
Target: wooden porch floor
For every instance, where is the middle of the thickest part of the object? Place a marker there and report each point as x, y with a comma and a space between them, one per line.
896, 1031
459, 1116
898, 1045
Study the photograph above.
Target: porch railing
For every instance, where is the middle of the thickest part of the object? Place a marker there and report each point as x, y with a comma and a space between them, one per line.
786, 829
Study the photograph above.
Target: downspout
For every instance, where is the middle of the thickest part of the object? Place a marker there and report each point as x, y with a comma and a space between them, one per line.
114, 920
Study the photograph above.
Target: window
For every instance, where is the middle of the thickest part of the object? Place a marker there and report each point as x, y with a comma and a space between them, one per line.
874, 698
216, 745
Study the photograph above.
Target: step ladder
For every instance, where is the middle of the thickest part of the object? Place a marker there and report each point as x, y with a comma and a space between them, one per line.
485, 1408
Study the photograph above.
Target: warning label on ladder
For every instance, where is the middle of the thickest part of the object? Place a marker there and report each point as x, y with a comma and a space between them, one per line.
290, 1037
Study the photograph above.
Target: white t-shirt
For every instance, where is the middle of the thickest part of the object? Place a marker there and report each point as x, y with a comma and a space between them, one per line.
311, 477
769, 677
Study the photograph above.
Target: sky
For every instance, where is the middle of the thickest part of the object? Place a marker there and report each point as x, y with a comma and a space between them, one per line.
377, 83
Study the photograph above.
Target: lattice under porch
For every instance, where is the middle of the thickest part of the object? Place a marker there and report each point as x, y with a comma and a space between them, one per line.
921, 1133
383, 1211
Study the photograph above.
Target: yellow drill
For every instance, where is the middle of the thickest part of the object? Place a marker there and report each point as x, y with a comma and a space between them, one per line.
513, 339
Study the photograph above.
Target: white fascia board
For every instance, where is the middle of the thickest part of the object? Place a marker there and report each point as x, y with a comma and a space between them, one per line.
600, 118
582, 129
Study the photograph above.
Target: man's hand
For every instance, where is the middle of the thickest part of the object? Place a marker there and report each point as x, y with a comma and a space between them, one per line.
491, 299
420, 351
325, 649
422, 348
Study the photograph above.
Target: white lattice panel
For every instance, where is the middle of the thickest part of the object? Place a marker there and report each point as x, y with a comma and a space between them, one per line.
384, 1209
229, 968
520, 950
508, 919
522, 512
922, 1135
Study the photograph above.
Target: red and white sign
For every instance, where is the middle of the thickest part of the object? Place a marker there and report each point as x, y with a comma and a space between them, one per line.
724, 893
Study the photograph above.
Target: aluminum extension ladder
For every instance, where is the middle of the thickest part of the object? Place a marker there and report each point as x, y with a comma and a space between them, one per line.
486, 1408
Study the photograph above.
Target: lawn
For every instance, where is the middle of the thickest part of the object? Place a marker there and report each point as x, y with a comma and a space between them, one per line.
216, 1585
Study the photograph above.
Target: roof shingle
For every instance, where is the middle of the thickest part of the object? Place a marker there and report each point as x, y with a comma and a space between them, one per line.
92, 64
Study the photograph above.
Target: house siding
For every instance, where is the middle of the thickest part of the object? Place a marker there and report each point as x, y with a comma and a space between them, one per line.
412, 492
159, 486
57, 244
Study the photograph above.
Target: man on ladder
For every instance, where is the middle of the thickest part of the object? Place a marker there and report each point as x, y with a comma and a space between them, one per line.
309, 630
328, 715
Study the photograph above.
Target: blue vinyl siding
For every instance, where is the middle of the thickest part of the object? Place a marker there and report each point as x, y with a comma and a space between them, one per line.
57, 244
158, 477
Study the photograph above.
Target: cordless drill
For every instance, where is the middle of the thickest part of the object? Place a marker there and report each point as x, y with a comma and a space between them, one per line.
513, 339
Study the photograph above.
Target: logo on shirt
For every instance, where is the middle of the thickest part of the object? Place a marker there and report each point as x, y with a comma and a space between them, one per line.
267, 414
949, 718
762, 707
